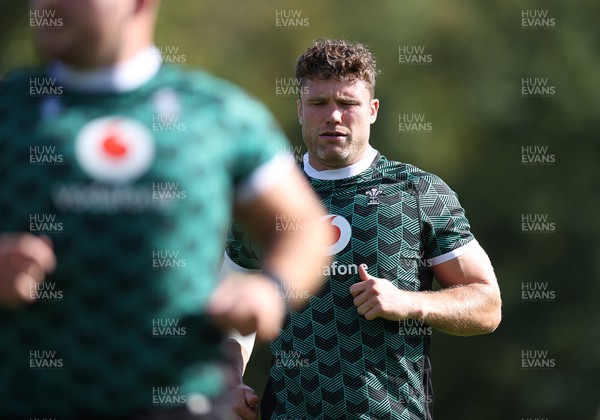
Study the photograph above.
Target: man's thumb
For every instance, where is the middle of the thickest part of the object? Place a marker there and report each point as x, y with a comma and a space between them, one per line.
251, 398
362, 272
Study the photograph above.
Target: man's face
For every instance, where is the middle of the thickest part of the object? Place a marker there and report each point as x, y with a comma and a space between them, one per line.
336, 118
90, 34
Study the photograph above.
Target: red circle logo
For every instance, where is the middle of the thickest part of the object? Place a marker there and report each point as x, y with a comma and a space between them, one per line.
114, 149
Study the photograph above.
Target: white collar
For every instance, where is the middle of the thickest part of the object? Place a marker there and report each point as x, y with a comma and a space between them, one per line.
346, 172
119, 78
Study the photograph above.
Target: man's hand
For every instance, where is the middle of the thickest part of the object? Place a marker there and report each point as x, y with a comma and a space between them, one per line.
244, 402
379, 298
24, 262
468, 304
248, 304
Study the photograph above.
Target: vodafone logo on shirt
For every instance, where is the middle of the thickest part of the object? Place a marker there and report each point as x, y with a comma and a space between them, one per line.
114, 149
342, 232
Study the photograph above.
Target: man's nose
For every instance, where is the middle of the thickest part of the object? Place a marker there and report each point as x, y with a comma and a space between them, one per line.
334, 115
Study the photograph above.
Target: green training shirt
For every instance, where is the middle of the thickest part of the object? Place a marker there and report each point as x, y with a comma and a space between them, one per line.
329, 362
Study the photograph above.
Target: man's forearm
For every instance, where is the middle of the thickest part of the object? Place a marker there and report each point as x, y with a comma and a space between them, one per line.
295, 255
460, 309
469, 309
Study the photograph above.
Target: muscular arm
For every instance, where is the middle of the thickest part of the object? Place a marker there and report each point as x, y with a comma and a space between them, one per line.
295, 256
250, 303
468, 304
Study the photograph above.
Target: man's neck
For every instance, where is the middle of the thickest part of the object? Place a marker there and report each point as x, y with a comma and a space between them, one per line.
120, 77
346, 172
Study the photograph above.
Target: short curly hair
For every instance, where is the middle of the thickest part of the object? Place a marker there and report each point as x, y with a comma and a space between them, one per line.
340, 59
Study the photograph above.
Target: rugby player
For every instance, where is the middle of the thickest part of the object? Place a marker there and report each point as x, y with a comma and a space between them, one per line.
361, 347
119, 176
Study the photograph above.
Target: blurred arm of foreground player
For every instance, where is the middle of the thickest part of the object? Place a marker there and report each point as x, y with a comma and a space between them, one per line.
249, 303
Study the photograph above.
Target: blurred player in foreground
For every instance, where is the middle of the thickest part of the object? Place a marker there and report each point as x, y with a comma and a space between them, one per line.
361, 348
119, 176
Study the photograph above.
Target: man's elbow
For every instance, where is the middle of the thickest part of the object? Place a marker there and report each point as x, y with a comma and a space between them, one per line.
494, 315
488, 317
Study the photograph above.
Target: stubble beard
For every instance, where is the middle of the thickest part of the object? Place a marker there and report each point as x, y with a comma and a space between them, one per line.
335, 158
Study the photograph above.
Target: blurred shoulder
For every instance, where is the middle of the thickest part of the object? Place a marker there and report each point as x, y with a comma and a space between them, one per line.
202, 86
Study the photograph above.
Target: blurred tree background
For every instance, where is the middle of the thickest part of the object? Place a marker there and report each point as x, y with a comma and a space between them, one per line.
470, 94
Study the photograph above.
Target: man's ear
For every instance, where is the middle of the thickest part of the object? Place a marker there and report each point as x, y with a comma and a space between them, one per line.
373, 108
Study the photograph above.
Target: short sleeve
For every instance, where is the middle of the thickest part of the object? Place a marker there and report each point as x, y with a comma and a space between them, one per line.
445, 228
258, 156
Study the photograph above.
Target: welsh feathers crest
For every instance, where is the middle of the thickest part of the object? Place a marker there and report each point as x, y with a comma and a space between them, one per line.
373, 195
